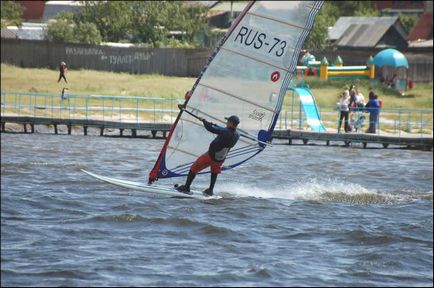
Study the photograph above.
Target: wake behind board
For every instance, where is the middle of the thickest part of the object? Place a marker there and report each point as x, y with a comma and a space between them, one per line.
150, 188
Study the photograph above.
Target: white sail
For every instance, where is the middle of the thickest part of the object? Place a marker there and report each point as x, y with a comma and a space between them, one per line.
247, 76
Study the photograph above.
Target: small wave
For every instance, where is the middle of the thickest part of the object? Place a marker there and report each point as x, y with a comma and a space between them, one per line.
41, 164
365, 238
324, 191
118, 218
260, 271
180, 222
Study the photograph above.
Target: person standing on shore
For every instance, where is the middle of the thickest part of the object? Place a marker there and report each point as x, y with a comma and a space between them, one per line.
62, 70
373, 107
343, 106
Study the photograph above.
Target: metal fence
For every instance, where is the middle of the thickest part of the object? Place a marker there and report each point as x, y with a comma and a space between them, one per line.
128, 109
397, 122
125, 109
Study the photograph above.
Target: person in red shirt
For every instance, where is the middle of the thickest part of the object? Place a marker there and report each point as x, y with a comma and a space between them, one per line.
62, 70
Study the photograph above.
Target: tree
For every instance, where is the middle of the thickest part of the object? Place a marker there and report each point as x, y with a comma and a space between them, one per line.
330, 13
148, 21
11, 12
144, 21
112, 18
326, 17
408, 21
88, 33
62, 29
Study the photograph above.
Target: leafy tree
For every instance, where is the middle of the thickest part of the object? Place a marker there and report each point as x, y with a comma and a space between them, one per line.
112, 18
144, 21
325, 18
408, 21
191, 19
11, 12
62, 29
88, 33
148, 21
330, 13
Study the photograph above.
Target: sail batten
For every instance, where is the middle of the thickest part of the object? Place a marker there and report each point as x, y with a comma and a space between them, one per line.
277, 20
247, 75
255, 59
237, 97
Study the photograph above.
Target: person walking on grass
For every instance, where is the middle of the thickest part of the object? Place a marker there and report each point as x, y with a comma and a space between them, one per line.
62, 70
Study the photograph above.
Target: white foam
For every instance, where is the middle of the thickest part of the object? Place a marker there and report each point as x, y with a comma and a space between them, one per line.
312, 190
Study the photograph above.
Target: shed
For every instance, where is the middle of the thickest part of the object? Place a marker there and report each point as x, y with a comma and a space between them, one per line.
368, 33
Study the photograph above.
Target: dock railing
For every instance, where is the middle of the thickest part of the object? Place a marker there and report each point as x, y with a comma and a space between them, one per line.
130, 109
395, 122
125, 109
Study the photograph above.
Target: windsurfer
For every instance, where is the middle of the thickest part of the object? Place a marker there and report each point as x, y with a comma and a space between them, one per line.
226, 138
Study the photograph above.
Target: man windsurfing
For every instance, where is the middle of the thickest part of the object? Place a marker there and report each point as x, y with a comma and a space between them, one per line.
226, 138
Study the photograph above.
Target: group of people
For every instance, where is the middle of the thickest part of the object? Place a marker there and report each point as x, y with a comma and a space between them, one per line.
352, 104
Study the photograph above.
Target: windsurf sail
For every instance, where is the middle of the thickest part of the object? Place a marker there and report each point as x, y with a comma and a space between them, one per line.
247, 75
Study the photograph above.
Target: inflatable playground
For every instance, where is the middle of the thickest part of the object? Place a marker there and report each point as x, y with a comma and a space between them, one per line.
389, 68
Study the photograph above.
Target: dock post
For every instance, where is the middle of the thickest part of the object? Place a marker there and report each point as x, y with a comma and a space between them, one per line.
85, 130
154, 133
3, 126
134, 132
365, 144
121, 132
385, 145
55, 128
25, 127
101, 131
305, 141
164, 134
328, 142
289, 141
32, 127
69, 129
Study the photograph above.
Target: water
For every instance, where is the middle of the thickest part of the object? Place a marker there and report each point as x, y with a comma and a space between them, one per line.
297, 216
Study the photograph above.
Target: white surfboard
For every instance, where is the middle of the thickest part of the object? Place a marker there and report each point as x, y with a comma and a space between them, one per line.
150, 188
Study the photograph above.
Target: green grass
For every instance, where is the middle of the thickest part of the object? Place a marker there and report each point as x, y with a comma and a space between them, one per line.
89, 82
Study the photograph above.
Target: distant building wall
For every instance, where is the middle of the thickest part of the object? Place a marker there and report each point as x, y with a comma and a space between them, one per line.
164, 61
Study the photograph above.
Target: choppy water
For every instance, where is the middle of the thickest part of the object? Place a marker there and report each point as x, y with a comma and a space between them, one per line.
297, 216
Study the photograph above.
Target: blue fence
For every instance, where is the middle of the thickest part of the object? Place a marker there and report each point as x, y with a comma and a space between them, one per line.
163, 110
90, 107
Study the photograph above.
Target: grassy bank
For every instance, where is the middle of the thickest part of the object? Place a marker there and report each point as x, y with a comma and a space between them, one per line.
89, 82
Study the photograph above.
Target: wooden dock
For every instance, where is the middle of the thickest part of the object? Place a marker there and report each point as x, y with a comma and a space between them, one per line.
154, 128
409, 142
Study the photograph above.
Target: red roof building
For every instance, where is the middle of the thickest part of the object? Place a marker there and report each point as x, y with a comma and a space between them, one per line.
33, 10
423, 28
